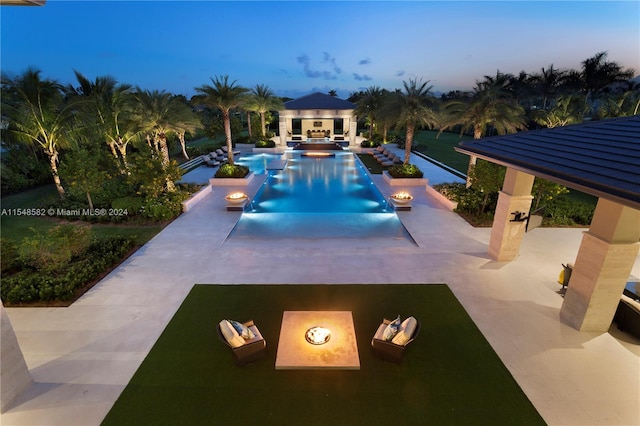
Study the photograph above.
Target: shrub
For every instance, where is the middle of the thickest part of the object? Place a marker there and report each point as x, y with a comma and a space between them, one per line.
55, 249
21, 170
165, 207
32, 286
369, 144
9, 258
133, 205
566, 211
265, 143
405, 171
227, 170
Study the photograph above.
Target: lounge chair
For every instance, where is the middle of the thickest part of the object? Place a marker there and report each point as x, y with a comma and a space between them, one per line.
395, 349
378, 150
244, 351
226, 151
211, 162
385, 153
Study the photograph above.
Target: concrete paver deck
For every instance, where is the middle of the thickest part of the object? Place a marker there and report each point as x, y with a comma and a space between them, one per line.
82, 357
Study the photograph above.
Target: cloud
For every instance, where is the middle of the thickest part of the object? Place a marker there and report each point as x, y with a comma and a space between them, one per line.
330, 74
365, 61
362, 77
306, 65
400, 73
331, 60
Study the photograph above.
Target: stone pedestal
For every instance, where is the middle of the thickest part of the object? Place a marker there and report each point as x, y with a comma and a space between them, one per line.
14, 374
507, 231
606, 256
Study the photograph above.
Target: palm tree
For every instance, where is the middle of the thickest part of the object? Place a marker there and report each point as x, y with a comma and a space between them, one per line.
112, 109
263, 100
548, 83
159, 112
415, 106
490, 106
224, 96
38, 115
184, 120
598, 74
369, 105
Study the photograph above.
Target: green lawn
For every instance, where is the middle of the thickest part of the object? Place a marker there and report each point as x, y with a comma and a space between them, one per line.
451, 375
442, 148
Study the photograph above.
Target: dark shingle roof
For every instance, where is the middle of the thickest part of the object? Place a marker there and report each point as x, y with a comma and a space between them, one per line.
318, 101
601, 158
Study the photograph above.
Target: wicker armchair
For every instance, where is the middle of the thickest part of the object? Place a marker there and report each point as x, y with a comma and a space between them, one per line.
251, 351
389, 351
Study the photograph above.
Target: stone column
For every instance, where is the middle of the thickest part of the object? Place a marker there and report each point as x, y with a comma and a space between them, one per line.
506, 234
353, 131
14, 374
605, 259
282, 129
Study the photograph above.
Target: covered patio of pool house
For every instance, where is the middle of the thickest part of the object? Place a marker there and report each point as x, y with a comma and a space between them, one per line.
599, 158
318, 119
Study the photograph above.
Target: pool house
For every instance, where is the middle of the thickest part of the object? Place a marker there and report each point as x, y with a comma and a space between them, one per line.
317, 118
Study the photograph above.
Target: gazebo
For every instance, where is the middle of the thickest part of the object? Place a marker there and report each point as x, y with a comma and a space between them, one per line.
600, 158
318, 118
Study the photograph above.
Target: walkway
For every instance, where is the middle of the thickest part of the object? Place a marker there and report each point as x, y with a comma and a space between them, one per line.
82, 357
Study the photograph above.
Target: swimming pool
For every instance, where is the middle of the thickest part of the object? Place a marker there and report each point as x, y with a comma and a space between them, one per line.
317, 198
319, 185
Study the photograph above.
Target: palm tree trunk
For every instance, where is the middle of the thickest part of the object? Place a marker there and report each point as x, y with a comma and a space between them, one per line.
249, 123
263, 124
408, 142
90, 201
183, 144
161, 143
164, 151
112, 145
53, 163
122, 148
227, 133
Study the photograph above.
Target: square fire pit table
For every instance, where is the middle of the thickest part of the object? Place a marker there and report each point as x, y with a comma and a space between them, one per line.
339, 351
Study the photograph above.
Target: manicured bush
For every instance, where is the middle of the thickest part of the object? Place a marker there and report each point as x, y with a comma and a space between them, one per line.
165, 207
54, 250
265, 143
369, 144
227, 170
405, 171
39, 285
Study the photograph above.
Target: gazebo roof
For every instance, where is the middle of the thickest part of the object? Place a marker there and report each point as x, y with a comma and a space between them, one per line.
318, 101
601, 158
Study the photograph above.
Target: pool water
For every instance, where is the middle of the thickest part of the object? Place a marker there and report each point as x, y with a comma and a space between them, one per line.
257, 163
319, 185
317, 198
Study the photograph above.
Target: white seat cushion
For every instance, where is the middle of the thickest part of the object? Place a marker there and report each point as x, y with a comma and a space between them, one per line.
407, 329
230, 334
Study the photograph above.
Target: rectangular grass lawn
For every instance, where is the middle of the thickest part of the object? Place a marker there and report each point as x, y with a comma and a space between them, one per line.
450, 375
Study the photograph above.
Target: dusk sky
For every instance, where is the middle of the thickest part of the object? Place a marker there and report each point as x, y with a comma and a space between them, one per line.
299, 47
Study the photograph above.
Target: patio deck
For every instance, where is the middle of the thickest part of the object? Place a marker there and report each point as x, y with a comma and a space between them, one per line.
82, 357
